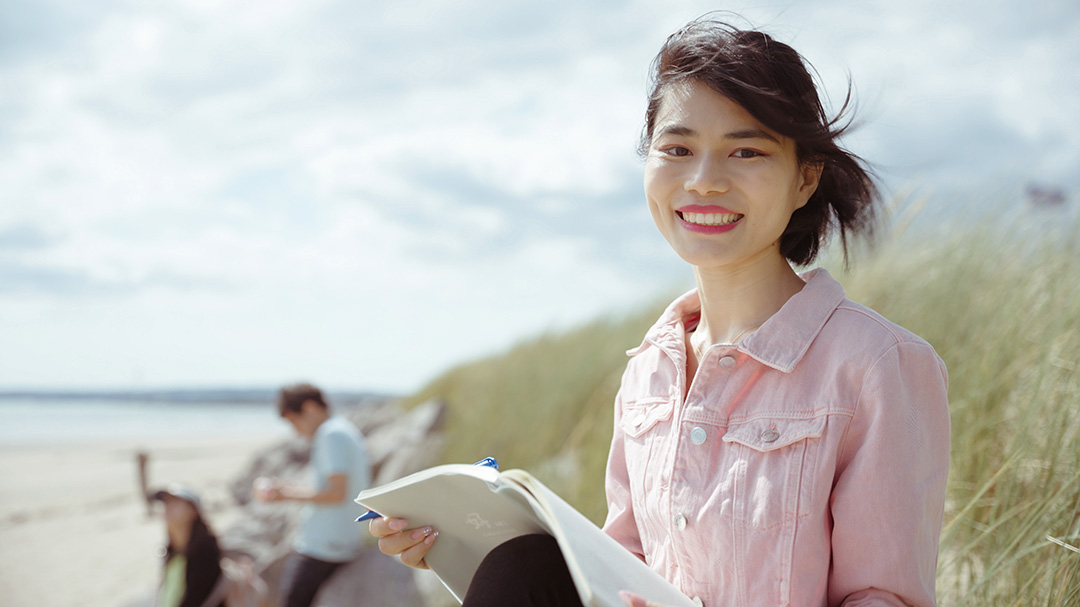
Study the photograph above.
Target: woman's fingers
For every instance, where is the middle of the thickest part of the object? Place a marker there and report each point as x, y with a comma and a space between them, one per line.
382, 527
414, 557
412, 544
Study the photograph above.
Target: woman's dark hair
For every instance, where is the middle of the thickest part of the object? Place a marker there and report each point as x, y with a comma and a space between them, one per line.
292, 398
771, 81
200, 532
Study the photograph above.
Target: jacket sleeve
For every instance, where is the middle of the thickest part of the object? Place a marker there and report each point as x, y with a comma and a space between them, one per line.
620, 524
203, 571
888, 495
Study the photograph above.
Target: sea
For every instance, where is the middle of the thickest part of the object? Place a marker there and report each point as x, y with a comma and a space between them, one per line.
29, 421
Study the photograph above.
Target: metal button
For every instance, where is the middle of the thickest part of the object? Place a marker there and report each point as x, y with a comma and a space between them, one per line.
698, 435
680, 522
698, 602
727, 362
770, 436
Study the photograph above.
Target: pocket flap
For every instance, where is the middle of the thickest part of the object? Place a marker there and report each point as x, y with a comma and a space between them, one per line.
644, 413
770, 434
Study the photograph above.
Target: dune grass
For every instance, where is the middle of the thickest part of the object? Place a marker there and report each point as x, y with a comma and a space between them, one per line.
546, 406
1001, 304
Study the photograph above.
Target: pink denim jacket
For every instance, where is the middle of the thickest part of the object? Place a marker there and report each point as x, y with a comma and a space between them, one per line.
804, 466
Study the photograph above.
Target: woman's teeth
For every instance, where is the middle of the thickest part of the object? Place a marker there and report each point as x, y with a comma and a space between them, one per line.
711, 219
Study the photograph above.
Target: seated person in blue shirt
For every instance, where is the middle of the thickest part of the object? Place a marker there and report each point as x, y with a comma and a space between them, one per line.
329, 536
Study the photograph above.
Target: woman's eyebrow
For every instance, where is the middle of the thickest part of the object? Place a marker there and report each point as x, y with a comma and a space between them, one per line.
752, 133
680, 130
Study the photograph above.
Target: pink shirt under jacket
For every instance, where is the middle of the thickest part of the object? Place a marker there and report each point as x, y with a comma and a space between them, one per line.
805, 466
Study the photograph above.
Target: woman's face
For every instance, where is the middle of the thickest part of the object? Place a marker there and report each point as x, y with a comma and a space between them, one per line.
178, 510
721, 186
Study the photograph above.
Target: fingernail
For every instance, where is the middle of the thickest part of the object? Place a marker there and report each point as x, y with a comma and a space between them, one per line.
419, 533
431, 538
397, 524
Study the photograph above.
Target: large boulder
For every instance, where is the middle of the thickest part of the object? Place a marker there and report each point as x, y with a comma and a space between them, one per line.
399, 443
372, 580
412, 442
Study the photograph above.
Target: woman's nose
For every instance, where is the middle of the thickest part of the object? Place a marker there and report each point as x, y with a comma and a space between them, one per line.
707, 176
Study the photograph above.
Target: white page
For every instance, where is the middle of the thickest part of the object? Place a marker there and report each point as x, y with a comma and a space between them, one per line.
477, 508
457, 500
600, 566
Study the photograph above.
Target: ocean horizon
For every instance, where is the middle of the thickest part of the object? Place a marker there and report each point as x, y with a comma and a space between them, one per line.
55, 418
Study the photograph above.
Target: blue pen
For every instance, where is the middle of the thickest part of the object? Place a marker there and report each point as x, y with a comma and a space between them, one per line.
487, 461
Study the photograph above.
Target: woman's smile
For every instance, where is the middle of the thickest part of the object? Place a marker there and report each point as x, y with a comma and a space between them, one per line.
708, 219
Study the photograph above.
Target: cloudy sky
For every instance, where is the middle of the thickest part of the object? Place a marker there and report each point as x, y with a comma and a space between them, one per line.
250, 192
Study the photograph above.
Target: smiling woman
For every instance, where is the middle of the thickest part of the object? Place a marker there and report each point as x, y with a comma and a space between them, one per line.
707, 149
775, 443
785, 107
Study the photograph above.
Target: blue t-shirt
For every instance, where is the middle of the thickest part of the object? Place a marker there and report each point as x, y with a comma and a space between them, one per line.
329, 532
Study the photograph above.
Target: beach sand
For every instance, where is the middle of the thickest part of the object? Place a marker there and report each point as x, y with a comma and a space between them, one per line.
74, 529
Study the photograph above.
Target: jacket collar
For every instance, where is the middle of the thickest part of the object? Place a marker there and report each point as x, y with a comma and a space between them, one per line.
779, 343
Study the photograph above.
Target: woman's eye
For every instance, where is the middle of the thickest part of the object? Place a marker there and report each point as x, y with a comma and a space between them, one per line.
746, 153
677, 150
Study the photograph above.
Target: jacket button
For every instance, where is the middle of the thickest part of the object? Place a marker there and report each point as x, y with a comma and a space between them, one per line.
698, 602
680, 522
727, 362
770, 436
698, 435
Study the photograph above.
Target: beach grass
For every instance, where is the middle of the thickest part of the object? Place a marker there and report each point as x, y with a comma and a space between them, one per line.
1000, 302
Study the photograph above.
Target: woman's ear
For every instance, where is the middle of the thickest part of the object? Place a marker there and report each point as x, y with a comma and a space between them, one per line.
810, 177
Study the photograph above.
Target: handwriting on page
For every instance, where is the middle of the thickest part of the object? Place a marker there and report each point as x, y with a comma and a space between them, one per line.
490, 528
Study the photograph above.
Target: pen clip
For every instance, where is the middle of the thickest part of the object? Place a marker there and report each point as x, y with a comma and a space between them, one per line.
488, 462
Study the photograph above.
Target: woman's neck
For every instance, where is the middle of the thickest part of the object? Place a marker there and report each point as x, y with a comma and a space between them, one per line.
736, 301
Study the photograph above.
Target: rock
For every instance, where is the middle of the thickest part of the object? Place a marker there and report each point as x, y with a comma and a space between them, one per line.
408, 444
370, 417
286, 460
372, 580
399, 444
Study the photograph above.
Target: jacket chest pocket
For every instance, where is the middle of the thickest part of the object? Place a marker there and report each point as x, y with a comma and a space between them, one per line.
645, 423
769, 464
641, 415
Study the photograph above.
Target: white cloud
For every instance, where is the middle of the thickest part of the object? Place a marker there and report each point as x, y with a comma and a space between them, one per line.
246, 192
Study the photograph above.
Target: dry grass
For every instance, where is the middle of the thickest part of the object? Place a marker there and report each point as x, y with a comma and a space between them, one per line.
1001, 304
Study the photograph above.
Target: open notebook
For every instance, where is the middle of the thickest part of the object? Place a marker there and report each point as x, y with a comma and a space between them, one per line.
476, 508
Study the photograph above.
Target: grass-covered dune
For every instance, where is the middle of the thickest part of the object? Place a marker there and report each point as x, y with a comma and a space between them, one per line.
1001, 304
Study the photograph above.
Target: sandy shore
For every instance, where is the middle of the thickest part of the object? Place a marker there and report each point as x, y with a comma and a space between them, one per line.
73, 527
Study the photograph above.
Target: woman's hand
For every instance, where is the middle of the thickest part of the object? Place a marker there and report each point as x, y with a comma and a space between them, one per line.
411, 544
633, 600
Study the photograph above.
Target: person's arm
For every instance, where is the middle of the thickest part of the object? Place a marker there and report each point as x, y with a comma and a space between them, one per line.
334, 493
888, 496
337, 447
620, 524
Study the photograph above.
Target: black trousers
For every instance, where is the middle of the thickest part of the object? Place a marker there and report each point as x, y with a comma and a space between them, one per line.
528, 571
301, 578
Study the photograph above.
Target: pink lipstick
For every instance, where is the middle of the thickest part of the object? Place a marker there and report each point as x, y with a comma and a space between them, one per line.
708, 219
